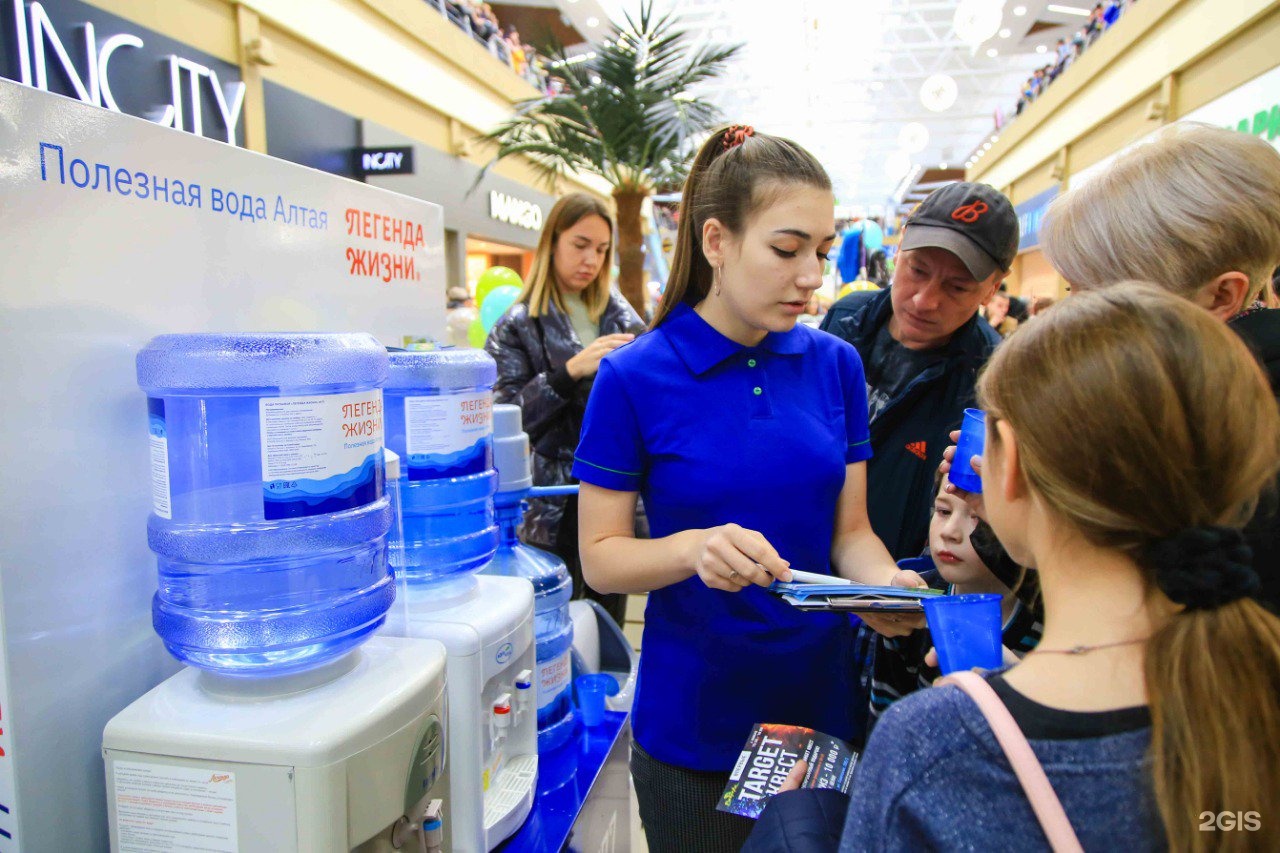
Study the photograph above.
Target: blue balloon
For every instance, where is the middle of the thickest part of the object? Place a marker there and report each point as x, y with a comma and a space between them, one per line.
497, 303
872, 236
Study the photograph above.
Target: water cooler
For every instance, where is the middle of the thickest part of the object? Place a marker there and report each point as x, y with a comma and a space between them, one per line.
552, 584
292, 728
439, 422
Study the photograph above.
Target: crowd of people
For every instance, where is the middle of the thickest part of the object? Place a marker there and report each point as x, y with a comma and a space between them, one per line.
1101, 18
1128, 516
478, 19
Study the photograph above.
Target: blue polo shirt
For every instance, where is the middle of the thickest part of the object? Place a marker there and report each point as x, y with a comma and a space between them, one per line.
710, 432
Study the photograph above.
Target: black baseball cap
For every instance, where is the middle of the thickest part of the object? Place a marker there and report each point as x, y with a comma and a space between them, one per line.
974, 222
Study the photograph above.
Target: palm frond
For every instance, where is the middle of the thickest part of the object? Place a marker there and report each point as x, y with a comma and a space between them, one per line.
626, 114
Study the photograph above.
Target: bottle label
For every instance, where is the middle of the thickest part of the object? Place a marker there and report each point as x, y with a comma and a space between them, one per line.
320, 454
448, 435
553, 679
161, 498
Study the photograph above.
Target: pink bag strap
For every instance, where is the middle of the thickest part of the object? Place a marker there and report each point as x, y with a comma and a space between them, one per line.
1040, 793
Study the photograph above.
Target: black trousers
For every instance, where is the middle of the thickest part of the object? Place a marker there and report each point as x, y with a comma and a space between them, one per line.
678, 808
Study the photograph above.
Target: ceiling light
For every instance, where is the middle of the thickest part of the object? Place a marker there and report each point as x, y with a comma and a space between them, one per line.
986, 146
913, 137
976, 21
938, 93
1019, 11
1068, 10
1041, 49
942, 165
992, 52
995, 137
897, 164
1005, 33
593, 21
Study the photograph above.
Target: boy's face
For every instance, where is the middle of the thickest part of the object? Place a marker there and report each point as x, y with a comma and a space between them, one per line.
949, 544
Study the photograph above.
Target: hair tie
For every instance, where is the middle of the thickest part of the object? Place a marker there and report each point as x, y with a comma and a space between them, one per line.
1203, 567
736, 135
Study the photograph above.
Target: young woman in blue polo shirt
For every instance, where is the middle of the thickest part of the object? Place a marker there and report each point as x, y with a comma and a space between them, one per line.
747, 436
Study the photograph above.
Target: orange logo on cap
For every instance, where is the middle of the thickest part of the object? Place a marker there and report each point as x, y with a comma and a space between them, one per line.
970, 213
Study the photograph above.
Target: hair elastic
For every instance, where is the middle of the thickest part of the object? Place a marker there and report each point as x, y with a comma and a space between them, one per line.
1203, 567
736, 135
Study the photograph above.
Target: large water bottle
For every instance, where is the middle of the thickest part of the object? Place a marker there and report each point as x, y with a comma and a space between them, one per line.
439, 421
552, 584
269, 522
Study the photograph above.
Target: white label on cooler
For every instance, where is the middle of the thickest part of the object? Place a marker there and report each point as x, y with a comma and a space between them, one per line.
161, 499
553, 679
163, 807
319, 454
317, 437
447, 423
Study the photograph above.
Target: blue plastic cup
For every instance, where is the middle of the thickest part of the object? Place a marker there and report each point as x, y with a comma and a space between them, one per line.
592, 690
973, 438
965, 631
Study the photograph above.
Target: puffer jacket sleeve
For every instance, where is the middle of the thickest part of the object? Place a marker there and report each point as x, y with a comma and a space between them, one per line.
524, 378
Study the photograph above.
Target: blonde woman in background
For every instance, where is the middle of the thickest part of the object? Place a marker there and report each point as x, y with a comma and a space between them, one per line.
548, 347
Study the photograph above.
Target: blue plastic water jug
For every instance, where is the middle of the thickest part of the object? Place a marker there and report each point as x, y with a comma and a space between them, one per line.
269, 523
552, 584
439, 420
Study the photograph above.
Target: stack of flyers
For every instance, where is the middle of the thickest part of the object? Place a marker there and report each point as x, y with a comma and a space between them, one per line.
854, 598
768, 756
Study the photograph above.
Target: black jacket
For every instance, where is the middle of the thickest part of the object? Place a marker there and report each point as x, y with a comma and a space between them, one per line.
1261, 331
908, 437
531, 353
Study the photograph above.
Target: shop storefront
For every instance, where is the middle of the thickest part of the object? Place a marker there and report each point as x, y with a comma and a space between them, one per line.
495, 222
80, 51
1032, 275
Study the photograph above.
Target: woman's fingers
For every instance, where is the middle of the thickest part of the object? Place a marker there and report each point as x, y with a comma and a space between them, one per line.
754, 545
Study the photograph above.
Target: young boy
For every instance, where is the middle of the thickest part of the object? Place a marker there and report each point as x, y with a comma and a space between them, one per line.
954, 564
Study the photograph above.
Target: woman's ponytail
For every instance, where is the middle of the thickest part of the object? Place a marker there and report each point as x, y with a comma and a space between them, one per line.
1213, 676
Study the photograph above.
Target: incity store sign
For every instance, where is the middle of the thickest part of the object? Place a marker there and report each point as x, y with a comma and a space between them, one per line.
65, 52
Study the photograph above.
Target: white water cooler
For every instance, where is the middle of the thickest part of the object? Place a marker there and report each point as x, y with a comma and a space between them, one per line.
350, 756
486, 624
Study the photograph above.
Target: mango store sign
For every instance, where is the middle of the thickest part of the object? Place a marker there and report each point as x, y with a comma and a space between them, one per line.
515, 211
69, 54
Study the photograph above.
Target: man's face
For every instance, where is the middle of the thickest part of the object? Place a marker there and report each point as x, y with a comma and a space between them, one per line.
933, 295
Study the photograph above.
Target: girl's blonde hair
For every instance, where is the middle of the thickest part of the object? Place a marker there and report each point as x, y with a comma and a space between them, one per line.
1142, 421
541, 288
1197, 202
736, 172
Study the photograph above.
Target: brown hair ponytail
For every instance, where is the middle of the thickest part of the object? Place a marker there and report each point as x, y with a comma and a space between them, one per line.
1147, 426
731, 178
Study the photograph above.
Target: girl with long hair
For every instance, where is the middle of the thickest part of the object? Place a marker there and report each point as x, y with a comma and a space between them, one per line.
747, 436
1129, 435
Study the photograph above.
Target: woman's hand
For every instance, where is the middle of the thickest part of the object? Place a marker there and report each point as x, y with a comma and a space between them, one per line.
948, 459
587, 362
795, 776
897, 624
1009, 655
732, 558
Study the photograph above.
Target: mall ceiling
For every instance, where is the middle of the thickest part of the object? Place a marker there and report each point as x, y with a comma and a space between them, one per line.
880, 90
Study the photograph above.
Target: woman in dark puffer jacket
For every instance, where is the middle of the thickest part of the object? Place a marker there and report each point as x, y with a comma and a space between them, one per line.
548, 347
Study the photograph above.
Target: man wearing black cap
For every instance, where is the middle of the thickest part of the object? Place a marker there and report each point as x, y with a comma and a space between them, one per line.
922, 344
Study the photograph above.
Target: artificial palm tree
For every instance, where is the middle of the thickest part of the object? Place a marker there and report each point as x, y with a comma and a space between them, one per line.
626, 114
